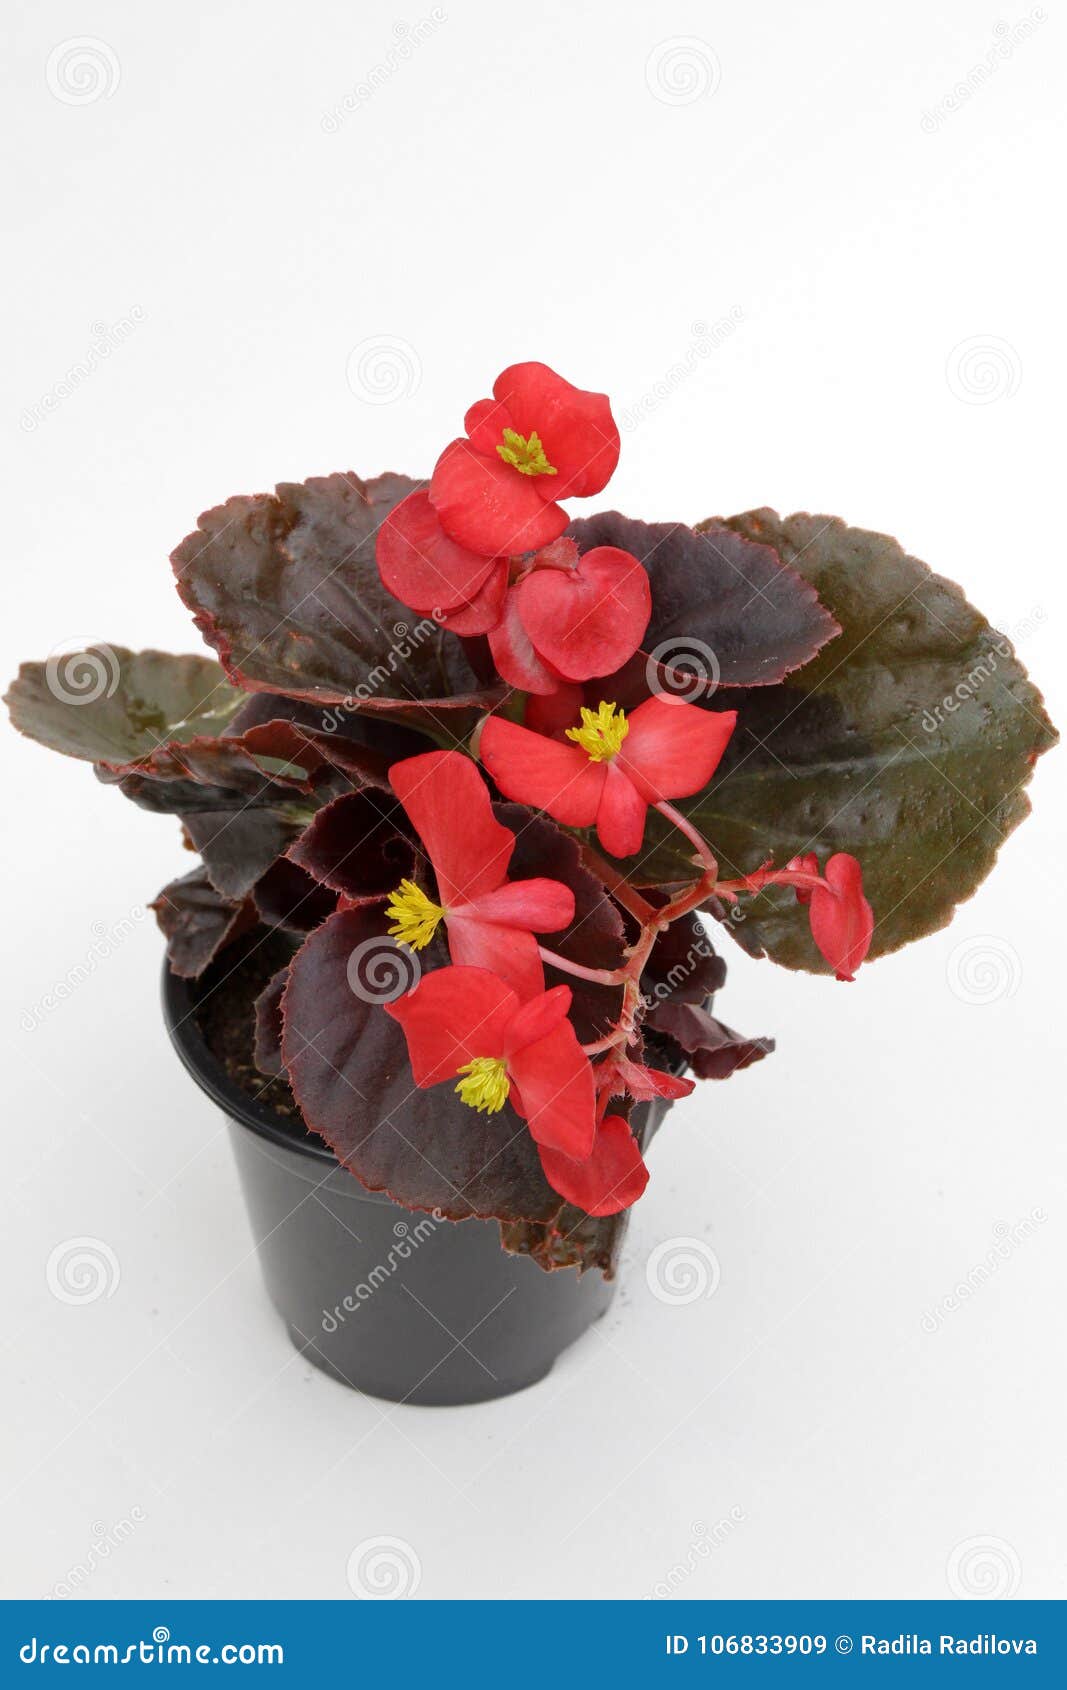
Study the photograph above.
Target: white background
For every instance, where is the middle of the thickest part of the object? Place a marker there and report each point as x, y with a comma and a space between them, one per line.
546, 181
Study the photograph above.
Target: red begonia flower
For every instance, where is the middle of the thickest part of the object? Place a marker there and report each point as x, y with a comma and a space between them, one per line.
609, 1180
466, 1023
842, 921
808, 863
490, 920
618, 1076
553, 713
615, 768
536, 441
421, 566
587, 615
513, 654
570, 617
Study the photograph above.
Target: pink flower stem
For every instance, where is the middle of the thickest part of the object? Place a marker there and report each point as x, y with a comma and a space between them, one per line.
600, 976
761, 878
619, 887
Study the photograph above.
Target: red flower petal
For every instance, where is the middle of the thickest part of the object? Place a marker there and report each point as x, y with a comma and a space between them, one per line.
554, 712
537, 1018
540, 905
611, 1179
645, 1083
485, 423
588, 620
486, 504
542, 772
576, 427
485, 609
448, 804
673, 748
514, 656
556, 1083
806, 864
420, 565
620, 818
452, 1016
842, 922
509, 952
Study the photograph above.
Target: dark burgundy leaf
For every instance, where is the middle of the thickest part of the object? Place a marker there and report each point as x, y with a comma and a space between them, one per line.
286, 589
595, 937
908, 744
358, 845
197, 923
714, 1050
268, 1013
683, 966
238, 848
288, 897
723, 608
348, 1065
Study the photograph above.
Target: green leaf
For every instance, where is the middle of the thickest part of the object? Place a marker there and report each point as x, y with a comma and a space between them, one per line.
107, 704
908, 742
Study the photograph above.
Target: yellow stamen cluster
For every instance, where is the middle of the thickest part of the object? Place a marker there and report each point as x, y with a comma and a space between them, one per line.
601, 733
485, 1085
527, 456
415, 917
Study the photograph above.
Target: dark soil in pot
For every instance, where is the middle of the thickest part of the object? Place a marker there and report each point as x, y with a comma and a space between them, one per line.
387, 1300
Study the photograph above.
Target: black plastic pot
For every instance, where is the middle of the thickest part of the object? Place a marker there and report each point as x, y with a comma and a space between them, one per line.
387, 1300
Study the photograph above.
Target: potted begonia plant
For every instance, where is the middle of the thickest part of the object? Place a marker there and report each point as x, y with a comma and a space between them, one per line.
446, 956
